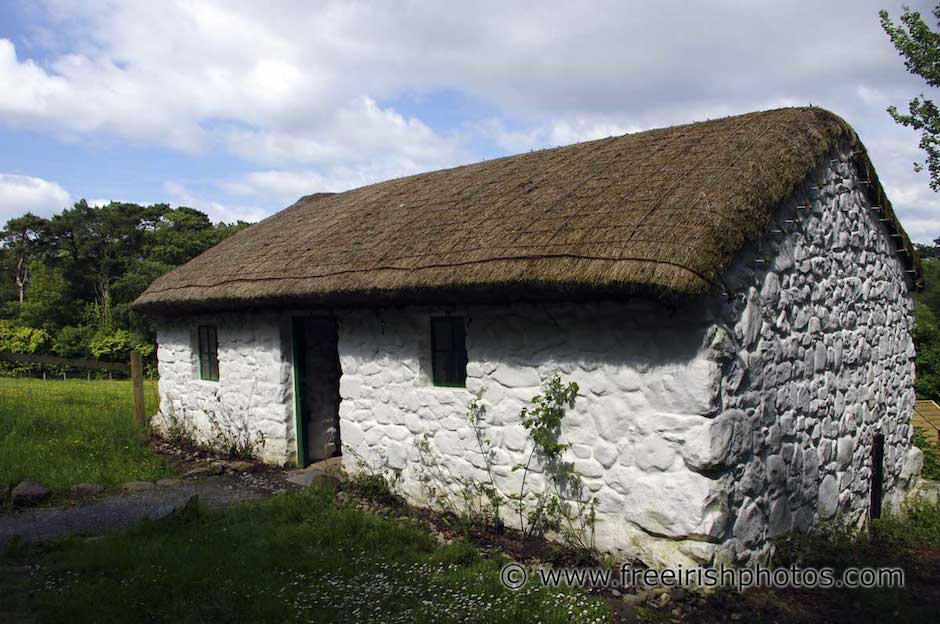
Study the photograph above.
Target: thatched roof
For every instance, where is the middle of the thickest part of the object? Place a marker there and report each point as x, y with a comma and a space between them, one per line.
661, 212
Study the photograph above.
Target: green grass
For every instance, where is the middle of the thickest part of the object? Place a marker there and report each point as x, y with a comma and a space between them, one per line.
66, 432
298, 557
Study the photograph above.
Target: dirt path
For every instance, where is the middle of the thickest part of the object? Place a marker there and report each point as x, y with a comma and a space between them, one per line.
115, 511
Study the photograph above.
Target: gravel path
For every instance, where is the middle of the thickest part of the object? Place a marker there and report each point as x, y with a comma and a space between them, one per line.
116, 511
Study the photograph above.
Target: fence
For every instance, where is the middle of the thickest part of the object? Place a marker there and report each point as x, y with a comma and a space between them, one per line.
135, 368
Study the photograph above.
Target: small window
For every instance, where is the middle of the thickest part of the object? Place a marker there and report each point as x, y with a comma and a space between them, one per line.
208, 353
448, 351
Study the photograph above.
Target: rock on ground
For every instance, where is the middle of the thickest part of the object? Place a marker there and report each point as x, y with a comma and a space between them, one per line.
204, 471
87, 489
240, 466
29, 492
310, 476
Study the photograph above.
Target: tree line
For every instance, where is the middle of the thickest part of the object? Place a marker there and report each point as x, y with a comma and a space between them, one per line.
66, 282
927, 324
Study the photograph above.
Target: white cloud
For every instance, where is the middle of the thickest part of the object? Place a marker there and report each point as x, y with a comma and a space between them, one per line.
20, 194
181, 195
553, 134
285, 186
356, 132
173, 72
299, 90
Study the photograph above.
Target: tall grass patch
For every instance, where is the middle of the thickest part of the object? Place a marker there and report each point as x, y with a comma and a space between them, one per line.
66, 432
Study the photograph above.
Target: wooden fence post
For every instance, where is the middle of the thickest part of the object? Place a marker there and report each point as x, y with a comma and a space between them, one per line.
137, 377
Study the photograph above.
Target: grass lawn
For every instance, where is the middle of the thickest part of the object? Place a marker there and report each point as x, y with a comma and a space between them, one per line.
298, 557
66, 432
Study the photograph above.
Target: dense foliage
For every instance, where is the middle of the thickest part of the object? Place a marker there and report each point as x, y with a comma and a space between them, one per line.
66, 282
920, 47
927, 332
927, 345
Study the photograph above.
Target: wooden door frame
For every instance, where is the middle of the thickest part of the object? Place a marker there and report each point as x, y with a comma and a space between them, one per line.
298, 356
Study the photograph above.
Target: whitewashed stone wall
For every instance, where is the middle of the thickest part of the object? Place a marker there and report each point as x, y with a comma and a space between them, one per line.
817, 358
647, 387
254, 391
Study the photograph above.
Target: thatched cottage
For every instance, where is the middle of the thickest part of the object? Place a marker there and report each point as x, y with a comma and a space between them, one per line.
732, 297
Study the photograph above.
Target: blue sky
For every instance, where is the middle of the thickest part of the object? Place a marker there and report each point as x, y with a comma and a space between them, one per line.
238, 107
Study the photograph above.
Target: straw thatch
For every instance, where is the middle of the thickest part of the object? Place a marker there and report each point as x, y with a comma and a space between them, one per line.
661, 212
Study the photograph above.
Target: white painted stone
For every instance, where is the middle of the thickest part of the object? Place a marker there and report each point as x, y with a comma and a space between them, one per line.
670, 504
654, 454
605, 453
516, 377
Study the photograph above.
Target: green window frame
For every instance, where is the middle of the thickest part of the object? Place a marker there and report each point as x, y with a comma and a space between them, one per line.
449, 351
208, 353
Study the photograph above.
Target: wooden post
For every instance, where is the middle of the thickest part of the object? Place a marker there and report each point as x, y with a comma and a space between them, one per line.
137, 377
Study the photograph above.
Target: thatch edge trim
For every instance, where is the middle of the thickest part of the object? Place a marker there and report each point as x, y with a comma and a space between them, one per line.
878, 197
430, 267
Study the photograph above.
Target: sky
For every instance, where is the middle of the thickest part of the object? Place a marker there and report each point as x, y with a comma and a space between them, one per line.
238, 108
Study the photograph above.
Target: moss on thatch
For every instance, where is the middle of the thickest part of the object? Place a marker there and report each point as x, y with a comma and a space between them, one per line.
661, 212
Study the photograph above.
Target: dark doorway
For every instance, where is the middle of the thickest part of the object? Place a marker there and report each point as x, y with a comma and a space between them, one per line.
877, 474
316, 388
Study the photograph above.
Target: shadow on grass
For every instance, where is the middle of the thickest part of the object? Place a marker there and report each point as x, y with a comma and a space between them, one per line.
296, 557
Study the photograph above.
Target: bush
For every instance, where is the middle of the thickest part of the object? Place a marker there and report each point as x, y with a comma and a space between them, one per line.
117, 345
72, 342
16, 338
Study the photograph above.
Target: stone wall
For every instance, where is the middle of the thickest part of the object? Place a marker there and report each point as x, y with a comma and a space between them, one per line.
253, 396
648, 384
817, 358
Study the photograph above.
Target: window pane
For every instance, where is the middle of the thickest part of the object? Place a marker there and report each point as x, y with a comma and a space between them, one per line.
460, 352
440, 369
208, 353
440, 335
448, 351
202, 340
212, 340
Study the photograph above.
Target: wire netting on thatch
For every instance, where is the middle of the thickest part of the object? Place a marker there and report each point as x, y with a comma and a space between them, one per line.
662, 211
